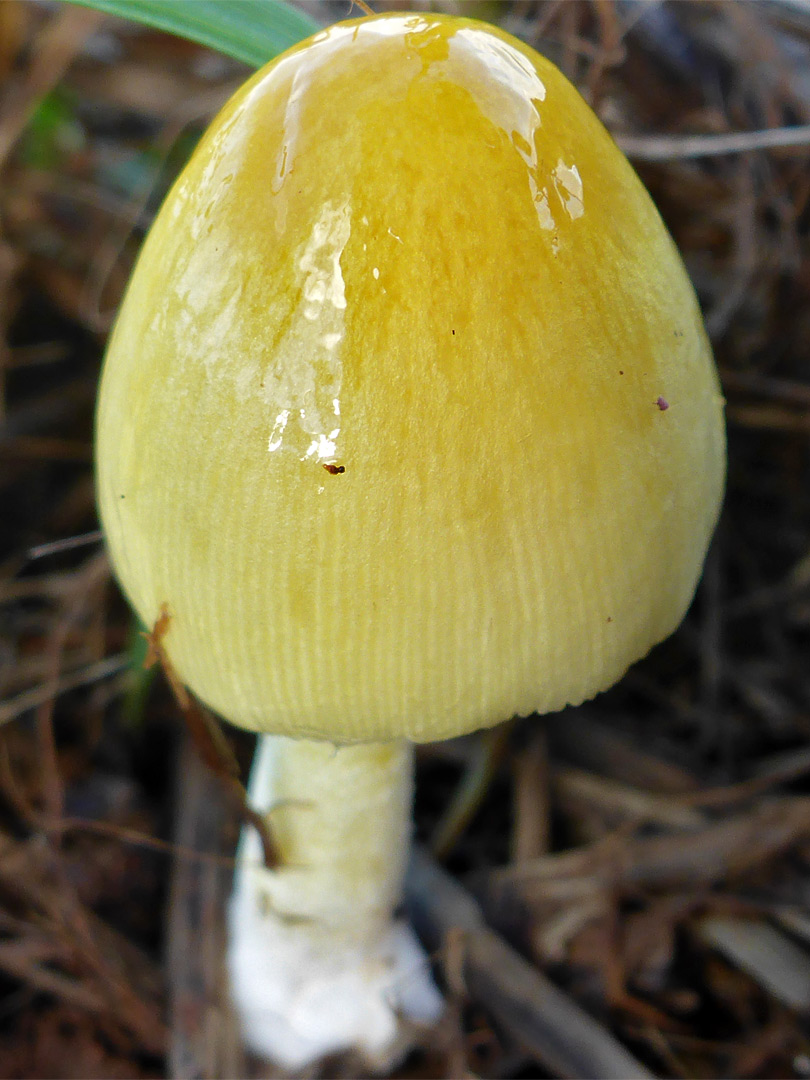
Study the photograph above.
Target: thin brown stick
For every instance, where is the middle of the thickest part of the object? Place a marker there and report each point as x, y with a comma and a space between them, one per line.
549, 1024
210, 742
55, 49
69, 543
531, 813
139, 839
680, 147
694, 859
33, 698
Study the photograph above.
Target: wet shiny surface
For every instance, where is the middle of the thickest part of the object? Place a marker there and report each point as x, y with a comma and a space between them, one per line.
500, 89
392, 357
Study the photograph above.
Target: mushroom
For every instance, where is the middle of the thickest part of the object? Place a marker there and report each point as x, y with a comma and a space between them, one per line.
381, 422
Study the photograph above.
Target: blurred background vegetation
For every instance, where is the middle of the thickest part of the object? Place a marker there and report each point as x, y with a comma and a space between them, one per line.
650, 851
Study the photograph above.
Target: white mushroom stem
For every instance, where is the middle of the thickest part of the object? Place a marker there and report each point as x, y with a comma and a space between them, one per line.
317, 961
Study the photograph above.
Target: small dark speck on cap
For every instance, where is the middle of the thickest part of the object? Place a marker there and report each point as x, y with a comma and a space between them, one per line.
662, 404
334, 469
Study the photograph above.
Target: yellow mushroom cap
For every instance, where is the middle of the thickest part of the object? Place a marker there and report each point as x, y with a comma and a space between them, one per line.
409, 416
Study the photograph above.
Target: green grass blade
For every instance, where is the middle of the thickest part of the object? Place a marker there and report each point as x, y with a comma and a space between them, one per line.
253, 31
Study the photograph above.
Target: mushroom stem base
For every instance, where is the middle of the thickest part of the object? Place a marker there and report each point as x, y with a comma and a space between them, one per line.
317, 961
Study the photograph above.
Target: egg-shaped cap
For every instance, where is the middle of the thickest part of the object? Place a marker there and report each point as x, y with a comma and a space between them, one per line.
409, 416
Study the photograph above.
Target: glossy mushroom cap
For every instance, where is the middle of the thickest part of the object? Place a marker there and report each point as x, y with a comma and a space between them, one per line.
409, 415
